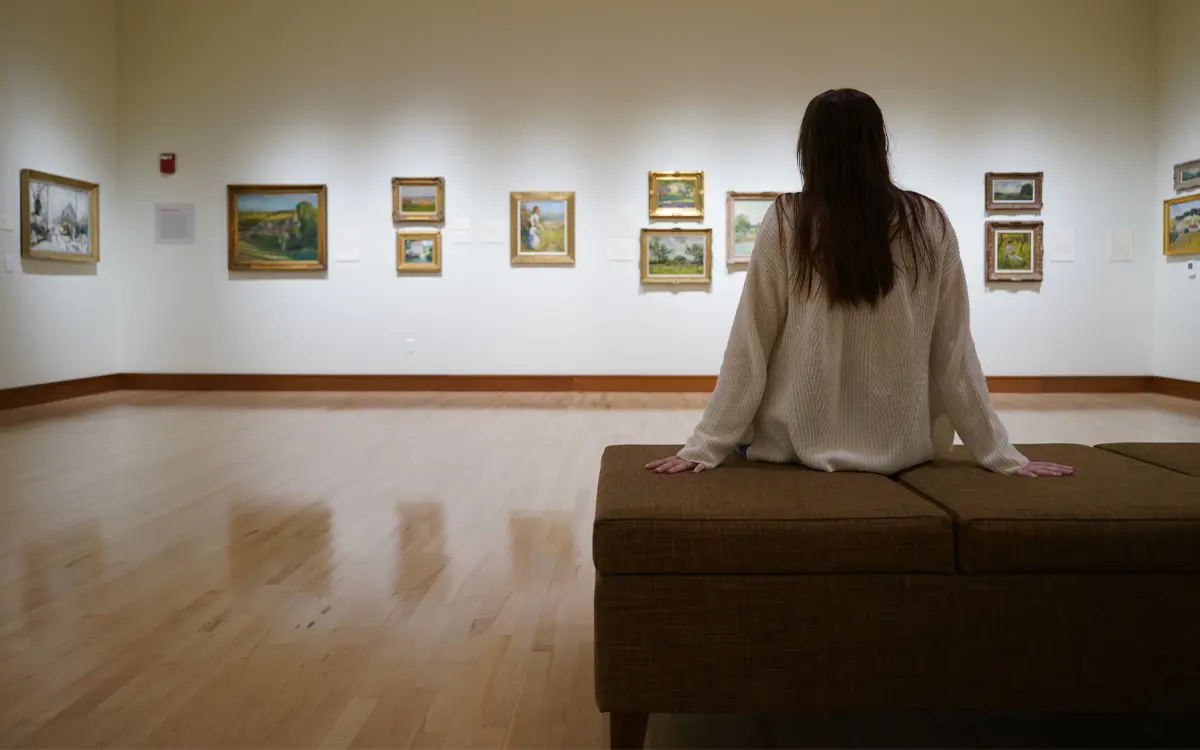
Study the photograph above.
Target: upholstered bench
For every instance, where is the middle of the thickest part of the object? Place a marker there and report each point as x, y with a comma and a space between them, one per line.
1181, 457
766, 588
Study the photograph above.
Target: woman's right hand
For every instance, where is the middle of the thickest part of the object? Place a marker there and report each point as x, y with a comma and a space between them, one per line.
1045, 469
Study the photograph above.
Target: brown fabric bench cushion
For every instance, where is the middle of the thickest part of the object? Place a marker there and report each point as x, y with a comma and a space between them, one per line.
746, 518
1181, 457
1116, 514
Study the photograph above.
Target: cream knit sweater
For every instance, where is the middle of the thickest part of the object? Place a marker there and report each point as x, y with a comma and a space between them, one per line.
852, 389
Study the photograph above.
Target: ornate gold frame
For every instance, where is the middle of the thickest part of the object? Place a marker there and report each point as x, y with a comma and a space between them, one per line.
93, 218
419, 217
1180, 184
676, 280
989, 243
1167, 221
993, 206
731, 198
514, 230
658, 212
403, 266
320, 264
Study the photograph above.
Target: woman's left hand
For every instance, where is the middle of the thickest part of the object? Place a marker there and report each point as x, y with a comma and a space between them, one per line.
674, 465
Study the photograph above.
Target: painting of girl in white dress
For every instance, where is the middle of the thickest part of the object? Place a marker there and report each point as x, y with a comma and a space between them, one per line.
544, 227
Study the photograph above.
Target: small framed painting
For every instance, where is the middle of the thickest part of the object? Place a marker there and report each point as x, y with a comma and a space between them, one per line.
60, 218
543, 228
676, 256
1187, 175
418, 252
1014, 250
1014, 192
743, 215
676, 195
418, 200
277, 228
1181, 225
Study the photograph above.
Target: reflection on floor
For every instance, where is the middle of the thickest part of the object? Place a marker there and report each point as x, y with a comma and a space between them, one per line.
376, 570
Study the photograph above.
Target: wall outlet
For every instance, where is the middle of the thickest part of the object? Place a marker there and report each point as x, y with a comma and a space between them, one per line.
10, 263
1191, 269
6, 223
410, 346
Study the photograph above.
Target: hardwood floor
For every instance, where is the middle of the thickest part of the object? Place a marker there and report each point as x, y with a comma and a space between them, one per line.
374, 570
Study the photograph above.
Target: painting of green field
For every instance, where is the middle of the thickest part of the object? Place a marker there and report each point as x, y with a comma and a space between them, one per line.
1183, 226
418, 199
1013, 191
676, 193
543, 228
1014, 252
747, 218
675, 255
418, 251
277, 227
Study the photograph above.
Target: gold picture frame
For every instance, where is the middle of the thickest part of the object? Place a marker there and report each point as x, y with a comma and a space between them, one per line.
1013, 250
276, 228
1181, 226
1187, 175
738, 237
54, 225
677, 195
1013, 192
542, 228
426, 188
409, 259
675, 257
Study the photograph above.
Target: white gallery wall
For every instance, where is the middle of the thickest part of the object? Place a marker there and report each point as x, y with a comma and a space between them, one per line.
1176, 290
58, 79
502, 95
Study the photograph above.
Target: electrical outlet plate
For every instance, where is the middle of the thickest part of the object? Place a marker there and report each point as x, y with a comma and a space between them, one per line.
6, 223
10, 263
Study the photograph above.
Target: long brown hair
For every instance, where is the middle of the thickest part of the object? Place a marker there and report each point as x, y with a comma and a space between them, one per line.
845, 221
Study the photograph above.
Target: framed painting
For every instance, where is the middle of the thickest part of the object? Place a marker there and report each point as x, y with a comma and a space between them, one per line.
418, 252
1014, 192
676, 195
60, 218
1181, 225
676, 256
743, 215
1014, 250
1187, 175
418, 200
277, 228
543, 228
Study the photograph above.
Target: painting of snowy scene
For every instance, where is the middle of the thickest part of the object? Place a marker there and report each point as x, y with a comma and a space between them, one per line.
59, 218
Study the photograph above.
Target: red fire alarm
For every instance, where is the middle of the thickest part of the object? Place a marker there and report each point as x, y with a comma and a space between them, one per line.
166, 163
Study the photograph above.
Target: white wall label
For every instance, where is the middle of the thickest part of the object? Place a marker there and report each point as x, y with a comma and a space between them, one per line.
175, 224
461, 225
346, 246
622, 249
460, 237
10, 263
6, 223
1060, 245
1120, 247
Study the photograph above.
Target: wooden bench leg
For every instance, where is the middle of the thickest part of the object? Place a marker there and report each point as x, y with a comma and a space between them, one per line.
627, 730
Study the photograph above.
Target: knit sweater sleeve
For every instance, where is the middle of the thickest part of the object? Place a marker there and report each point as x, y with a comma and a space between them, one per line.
954, 367
743, 378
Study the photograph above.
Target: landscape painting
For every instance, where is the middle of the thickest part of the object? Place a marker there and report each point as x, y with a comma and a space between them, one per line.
1187, 175
676, 195
1014, 251
676, 256
743, 216
418, 252
418, 200
1015, 192
1181, 225
543, 228
60, 218
277, 227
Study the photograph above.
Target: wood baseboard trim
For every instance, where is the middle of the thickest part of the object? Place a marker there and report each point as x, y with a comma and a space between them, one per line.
13, 398
1189, 389
45, 393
